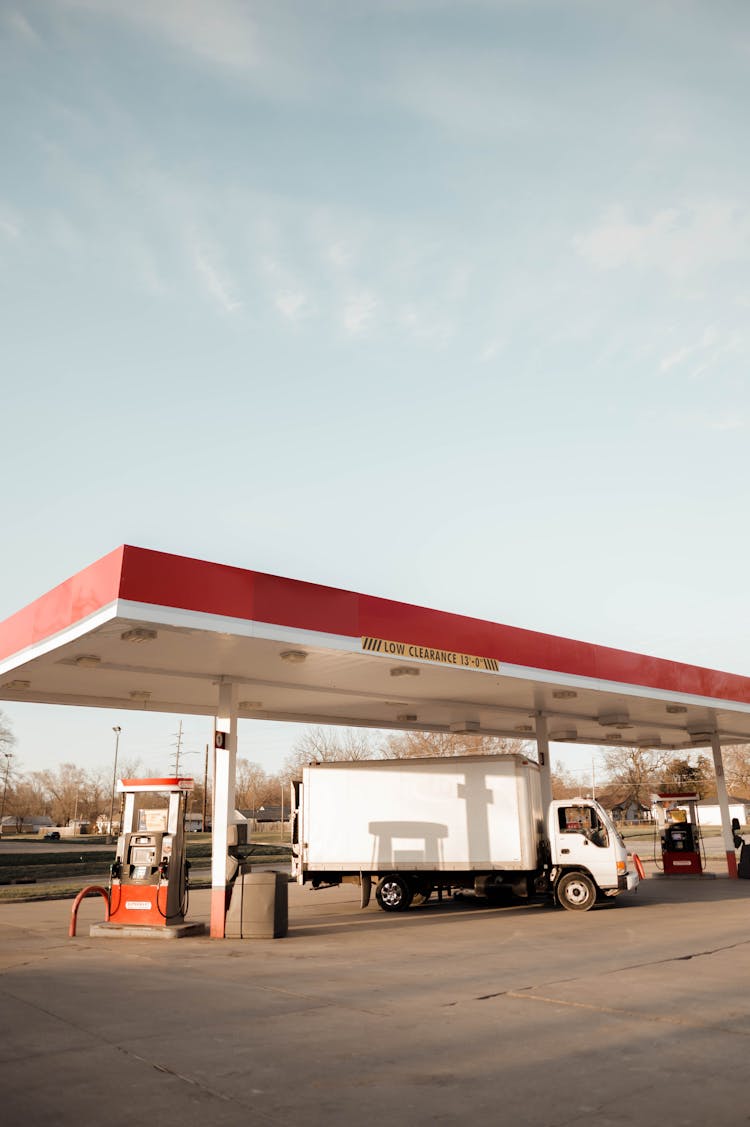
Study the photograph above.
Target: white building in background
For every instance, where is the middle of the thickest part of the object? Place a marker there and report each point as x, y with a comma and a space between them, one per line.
709, 813
30, 824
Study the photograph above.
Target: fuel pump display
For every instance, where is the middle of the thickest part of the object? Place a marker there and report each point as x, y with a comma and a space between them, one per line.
680, 833
149, 876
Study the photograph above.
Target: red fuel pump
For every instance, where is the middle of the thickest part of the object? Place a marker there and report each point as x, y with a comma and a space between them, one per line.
149, 877
680, 832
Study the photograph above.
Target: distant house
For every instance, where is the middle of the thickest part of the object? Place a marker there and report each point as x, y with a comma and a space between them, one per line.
268, 814
29, 824
622, 806
102, 826
631, 811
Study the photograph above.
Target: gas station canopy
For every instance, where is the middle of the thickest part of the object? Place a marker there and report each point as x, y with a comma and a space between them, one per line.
145, 630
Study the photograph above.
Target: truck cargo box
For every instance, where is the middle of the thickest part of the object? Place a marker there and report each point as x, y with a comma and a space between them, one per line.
478, 812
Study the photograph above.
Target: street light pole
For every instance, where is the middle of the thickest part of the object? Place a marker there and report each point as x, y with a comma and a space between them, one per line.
8, 756
114, 777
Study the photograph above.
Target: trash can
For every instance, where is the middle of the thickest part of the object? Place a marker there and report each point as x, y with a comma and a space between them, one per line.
259, 908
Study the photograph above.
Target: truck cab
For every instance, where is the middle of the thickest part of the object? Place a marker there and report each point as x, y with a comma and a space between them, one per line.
587, 854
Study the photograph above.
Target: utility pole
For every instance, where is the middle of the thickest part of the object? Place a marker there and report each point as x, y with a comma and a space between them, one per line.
8, 756
205, 789
178, 749
117, 731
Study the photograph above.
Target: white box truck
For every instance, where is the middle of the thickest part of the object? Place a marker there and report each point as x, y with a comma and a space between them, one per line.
446, 824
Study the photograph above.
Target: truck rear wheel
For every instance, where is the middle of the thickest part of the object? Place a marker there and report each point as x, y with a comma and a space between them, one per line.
393, 893
576, 892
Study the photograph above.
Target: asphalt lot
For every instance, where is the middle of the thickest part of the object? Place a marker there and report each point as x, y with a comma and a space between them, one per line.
634, 1013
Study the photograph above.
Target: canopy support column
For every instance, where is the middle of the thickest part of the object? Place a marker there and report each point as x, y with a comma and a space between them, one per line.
542, 748
721, 791
223, 802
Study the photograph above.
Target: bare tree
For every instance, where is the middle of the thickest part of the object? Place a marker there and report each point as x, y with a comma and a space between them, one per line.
94, 794
737, 769
27, 799
564, 783
7, 739
7, 743
254, 787
637, 771
417, 745
65, 788
328, 745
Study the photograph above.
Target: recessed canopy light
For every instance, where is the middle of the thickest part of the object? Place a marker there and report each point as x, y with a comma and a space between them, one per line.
88, 661
139, 634
613, 735
524, 728
675, 708
561, 734
140, 694
294, 657
407, 717
564, 694
465, 726
17, 685
251, 705
404, 671
616, 720
701, 735
649, 741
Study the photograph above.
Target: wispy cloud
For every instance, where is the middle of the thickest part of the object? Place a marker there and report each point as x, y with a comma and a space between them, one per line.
703, 354
676, 241
145, 267
728, 422
359, 312
288, 295
10, 224
222, 31
490, 350
425, 326
685, 351
339, 254
19, 25
216, 281
269, 52
292, 304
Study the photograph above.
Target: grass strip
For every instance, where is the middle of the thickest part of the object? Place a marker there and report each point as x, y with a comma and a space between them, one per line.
48, 890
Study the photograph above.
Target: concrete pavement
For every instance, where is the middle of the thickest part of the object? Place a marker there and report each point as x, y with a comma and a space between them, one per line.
634, 1013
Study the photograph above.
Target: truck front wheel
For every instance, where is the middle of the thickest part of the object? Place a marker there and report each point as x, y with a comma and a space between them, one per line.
393, 893
576, 892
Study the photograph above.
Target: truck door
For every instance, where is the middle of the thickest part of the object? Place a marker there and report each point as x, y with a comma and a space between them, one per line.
583, 839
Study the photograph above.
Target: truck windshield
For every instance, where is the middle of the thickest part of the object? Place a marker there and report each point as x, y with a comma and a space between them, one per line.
583, 820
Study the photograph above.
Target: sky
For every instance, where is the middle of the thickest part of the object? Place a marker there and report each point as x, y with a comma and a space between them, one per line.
439, 301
